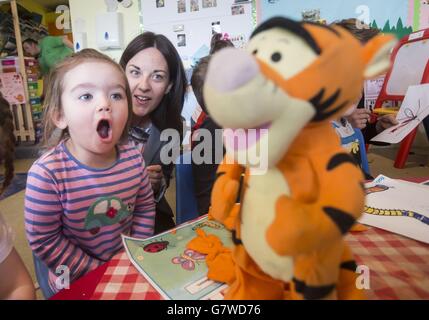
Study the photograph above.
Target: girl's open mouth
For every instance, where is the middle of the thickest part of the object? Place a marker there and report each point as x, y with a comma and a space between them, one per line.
103, 129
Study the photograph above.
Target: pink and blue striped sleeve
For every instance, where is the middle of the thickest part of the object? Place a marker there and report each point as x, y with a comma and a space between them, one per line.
43, 225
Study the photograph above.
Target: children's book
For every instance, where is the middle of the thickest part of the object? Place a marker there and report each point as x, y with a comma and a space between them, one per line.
398, 206
176, 272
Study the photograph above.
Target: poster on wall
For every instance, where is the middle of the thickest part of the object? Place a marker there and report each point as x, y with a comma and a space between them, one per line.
399, 17
12, 88
418, 14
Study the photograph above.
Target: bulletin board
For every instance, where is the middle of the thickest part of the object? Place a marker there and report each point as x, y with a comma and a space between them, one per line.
189, 24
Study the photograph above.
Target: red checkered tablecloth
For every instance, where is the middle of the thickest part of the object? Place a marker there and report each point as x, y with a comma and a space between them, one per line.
399, 269
122, 281
399, 266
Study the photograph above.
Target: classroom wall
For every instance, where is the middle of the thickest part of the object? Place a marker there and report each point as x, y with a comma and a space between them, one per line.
88, 9
189, 24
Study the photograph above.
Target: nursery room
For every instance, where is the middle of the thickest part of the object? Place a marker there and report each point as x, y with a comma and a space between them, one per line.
214, 150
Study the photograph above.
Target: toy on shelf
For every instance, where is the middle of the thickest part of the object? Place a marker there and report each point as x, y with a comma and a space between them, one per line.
301, 192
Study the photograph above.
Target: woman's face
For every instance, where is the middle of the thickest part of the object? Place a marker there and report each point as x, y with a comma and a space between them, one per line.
149, 78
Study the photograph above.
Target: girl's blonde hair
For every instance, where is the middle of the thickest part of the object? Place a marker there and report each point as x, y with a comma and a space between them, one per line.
7, 142
54, 88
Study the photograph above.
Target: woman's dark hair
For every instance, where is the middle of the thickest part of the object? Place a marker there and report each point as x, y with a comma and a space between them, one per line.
218, 42
168, 113
7, 142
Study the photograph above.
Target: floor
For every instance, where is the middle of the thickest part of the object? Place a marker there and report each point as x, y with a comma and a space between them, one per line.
380, 161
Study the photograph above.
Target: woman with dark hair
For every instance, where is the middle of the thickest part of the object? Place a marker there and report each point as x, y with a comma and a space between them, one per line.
158, 83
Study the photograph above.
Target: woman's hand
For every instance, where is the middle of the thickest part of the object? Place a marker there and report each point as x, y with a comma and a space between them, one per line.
156, 176
385, 122
359, 118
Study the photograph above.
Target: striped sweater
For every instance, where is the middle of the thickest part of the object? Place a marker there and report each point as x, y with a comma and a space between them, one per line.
74, 215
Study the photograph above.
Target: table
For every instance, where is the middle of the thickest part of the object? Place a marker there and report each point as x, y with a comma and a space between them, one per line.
399, 269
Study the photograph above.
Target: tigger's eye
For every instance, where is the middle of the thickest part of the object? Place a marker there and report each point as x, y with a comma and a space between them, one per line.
276, 57
254, 52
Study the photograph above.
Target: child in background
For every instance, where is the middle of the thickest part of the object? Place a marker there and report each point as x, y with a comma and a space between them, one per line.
358, 116
204, 174
15, 281
218, 42
90, 188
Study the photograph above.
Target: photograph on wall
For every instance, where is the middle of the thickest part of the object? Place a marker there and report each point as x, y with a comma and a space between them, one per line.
181, 6
160, 3
181, 40
235, 10
195, 6
209, 3
216, 27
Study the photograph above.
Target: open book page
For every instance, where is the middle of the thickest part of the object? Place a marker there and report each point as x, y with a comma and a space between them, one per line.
175, 271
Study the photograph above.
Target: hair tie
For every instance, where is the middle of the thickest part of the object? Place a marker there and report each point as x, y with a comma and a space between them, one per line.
225, 37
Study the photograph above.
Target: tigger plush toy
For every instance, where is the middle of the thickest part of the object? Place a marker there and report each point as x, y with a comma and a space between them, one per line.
293, 78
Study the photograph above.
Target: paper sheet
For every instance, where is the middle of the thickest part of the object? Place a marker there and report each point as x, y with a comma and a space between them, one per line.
12, 88
414, 109
398, 206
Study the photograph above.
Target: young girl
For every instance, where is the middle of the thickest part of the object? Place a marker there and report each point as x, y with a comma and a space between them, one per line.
82, 194
15, 281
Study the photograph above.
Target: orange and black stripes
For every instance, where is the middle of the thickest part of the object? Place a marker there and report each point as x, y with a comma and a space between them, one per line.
339, 159
343, 220
349, 265
322, 106
312, 292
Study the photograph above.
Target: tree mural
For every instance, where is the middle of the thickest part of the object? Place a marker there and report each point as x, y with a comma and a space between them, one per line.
399, 30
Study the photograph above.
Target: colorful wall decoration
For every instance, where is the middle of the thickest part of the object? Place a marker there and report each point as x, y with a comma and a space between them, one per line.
418, 14
400, 17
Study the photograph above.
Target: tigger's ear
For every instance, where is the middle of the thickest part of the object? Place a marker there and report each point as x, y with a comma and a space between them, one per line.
376, 55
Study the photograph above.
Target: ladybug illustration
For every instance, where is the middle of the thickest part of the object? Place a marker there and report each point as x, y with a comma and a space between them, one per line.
156, 246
